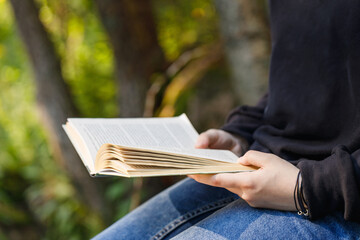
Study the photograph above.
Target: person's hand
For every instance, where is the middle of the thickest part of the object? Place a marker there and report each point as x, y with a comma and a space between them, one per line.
271, 186
219, 139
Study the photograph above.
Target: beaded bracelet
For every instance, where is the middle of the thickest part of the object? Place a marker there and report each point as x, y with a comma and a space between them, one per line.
299, 198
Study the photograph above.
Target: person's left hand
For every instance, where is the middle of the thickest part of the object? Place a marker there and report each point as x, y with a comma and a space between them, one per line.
271, 186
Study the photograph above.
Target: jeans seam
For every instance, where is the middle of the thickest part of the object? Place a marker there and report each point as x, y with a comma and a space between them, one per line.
189, 215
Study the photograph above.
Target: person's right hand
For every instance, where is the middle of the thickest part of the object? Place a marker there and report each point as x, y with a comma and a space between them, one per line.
219, 139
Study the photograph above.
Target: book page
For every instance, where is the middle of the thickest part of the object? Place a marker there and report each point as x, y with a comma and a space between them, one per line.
195, 154
158, 133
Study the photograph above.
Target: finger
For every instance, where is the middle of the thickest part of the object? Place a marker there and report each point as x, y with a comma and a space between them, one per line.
202, 141
229, 180
203, 178
207, 138
211, 180
255, 158
237, 149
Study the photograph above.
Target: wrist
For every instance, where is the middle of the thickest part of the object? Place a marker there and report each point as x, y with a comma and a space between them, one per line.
299, 197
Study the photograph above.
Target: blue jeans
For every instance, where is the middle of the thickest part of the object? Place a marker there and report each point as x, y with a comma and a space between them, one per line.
190, 210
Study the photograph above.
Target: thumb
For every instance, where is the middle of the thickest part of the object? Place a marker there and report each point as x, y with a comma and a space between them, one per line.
202, 141
207, 138
254, 158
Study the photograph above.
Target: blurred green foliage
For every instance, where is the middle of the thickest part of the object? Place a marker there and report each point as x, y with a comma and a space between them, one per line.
184, 24
85, 54
36, 196
32, 189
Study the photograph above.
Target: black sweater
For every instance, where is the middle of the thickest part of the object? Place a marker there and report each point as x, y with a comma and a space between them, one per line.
311, 115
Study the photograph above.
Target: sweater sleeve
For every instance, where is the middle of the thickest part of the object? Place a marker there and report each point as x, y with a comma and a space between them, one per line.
333, 184
244, 120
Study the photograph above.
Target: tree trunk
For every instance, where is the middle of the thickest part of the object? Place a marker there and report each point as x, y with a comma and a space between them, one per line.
53, 99
131, 28
245, 31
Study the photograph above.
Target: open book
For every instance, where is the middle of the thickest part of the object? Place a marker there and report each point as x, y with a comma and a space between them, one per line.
139, 147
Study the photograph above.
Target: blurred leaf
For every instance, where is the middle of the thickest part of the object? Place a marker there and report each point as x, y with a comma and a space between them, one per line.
184, 24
